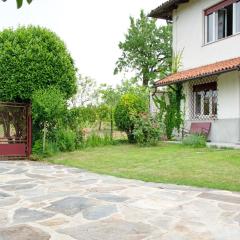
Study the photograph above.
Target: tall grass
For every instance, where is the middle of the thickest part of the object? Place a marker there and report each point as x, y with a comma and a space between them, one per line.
95, 140
195, 140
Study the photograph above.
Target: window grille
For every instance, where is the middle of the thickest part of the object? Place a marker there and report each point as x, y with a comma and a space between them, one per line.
203, 99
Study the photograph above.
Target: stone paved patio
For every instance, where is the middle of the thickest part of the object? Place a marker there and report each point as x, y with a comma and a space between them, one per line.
41, 202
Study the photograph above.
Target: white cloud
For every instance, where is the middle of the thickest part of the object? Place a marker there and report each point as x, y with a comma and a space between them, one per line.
91, 29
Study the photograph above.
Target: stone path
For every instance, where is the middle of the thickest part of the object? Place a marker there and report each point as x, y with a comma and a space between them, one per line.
41, 202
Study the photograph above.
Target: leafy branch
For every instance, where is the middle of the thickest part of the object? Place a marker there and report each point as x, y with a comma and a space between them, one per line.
20, 2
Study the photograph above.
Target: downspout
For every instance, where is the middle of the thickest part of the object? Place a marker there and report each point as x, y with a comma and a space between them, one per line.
151, 96
238, 76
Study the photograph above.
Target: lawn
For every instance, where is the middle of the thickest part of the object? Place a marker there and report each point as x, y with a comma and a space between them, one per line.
166, 163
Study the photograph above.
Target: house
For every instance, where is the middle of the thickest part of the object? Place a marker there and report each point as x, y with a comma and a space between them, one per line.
208, 33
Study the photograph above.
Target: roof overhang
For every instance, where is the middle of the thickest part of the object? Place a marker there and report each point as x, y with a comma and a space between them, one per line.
165, 10
201, 72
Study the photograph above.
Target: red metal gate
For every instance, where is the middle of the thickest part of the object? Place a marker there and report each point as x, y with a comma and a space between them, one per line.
15, 130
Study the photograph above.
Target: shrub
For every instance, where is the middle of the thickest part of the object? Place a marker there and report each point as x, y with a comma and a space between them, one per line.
48, 108
195, 140
147, 131
51, 148
48, 105
37, 147
34, 58
66, 140
79, 117
129, 106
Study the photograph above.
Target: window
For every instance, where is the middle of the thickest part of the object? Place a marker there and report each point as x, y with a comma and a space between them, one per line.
222, 20
238, 17
210, 27
205, 100
222, 23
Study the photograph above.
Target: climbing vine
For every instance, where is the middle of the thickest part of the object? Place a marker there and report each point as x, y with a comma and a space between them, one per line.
169, 103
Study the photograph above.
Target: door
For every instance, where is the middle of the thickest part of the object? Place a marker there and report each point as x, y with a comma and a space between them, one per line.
15, 130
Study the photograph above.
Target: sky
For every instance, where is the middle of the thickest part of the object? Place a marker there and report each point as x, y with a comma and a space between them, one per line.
91, 29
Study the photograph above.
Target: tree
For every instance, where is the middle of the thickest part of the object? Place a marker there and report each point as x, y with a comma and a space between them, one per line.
87, 93
20, 2
33, 58
48, 107
80, 117
147, 49
110, 96
102, 114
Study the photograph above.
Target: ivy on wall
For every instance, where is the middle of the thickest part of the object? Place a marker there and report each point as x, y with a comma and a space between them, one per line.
169, 104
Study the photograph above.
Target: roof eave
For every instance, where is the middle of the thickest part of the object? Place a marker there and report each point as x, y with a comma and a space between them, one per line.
157, 84
165, 11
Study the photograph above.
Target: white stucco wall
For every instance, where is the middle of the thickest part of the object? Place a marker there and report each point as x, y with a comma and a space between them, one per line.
226, 128
229, 96
188, 35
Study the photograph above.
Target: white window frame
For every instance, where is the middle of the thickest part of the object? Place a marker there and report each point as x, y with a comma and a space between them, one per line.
214, 28
235, 5
215, 25
234, 17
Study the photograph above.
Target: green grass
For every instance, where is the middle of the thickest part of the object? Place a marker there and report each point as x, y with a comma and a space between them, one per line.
166, 163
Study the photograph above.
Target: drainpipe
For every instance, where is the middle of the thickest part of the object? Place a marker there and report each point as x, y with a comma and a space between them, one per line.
151, 96
238, 74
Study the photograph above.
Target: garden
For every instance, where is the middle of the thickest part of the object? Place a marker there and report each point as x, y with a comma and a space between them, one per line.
110, 129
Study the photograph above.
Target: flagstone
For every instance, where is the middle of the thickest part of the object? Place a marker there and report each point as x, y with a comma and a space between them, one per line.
110, 197
23, 232
23, 215
58, 203
71, 205
99, 212
109, 230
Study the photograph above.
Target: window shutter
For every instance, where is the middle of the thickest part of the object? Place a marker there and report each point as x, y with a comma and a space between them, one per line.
219, 6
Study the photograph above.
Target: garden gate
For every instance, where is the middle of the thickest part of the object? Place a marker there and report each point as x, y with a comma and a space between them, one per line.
15, 130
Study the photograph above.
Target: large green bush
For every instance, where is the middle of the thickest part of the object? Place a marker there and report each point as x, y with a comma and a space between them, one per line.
48, 105
33, 58
129, 107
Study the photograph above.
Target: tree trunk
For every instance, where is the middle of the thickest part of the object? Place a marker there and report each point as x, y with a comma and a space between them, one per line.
145, 82
44, 136
100, 125
111, 130
145, 78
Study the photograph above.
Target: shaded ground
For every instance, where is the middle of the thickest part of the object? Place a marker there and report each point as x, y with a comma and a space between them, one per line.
42, 202
166, 163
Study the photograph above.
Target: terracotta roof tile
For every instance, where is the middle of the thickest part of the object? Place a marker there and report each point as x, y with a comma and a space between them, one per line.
204, 71
164, 11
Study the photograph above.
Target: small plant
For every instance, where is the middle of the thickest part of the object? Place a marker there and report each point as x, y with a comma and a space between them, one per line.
51, 149
195, 140
147, 131
66, 140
